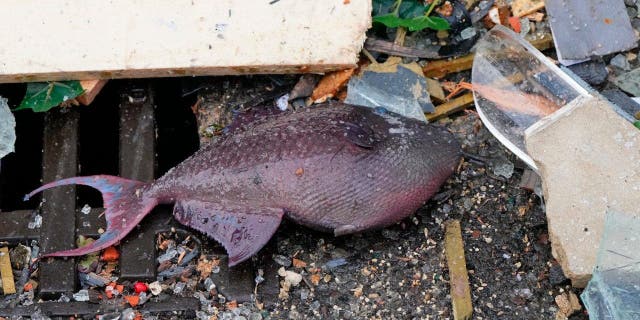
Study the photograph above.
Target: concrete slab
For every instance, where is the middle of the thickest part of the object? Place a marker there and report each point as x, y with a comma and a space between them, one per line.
589, 160
74, 39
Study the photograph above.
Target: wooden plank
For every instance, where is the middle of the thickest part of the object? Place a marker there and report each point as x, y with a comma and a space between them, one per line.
75, 39
459, 279
440, 68
8, 286
451, 106
60, 158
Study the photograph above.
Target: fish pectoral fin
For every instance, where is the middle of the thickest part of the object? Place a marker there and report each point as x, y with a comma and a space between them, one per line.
241, 231
361, 136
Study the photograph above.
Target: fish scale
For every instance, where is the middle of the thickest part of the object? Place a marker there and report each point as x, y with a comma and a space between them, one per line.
333, 167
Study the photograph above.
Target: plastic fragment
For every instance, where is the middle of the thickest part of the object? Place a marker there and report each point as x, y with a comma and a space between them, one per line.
132, 300
36, 222
82, 295
110, 254
140, 287
7, 129
179, 287
86, 209
92, 279
332, 264
283, 102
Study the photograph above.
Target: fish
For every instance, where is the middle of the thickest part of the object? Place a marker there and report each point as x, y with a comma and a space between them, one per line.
333, 167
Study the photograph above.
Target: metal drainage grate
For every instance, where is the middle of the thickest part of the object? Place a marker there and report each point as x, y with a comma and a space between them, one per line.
137, 150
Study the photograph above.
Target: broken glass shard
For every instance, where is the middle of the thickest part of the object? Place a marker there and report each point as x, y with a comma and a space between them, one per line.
7, 129
515, 86
394, 86
614, 289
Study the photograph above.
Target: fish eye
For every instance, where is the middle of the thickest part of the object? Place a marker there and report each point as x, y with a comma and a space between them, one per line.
380, 110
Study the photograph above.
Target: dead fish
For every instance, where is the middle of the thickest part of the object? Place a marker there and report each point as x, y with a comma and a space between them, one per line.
334, 167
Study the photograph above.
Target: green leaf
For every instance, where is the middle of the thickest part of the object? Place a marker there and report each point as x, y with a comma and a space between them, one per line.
411, 15
42, 96
423, 22
381, 7
411, 9
637, 124
408, 8
389, 20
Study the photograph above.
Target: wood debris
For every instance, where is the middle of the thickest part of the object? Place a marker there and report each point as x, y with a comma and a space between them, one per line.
536, 16
440, 68
521, 8
331, 84
91, 90
8, 285
393, 49
435, 90
459, 279
450, 107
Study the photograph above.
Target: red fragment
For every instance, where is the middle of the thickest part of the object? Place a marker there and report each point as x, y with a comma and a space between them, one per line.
110, 254
515, 24
120, 288
132, 300
28, 286
140, 287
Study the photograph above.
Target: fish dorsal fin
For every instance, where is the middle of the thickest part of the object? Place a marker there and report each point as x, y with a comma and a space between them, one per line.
242, 233
250, 117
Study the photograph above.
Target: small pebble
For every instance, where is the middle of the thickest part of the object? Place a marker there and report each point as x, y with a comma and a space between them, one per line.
155, 288
293, 278
620, 61
282, 260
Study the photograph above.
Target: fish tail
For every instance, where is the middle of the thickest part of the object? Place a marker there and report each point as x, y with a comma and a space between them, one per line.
125, 205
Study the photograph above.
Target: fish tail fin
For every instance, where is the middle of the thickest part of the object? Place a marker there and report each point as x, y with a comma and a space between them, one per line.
125, 205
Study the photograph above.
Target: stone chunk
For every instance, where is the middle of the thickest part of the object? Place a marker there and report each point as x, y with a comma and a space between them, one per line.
589, 159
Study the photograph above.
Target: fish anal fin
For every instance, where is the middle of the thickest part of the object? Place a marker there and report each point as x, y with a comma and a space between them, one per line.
241, 231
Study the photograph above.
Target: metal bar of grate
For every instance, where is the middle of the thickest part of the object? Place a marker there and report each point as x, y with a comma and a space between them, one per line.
59, 309
137, 157
60, 160
137, 161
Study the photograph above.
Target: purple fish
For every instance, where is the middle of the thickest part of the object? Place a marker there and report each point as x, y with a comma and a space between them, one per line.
334, 167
